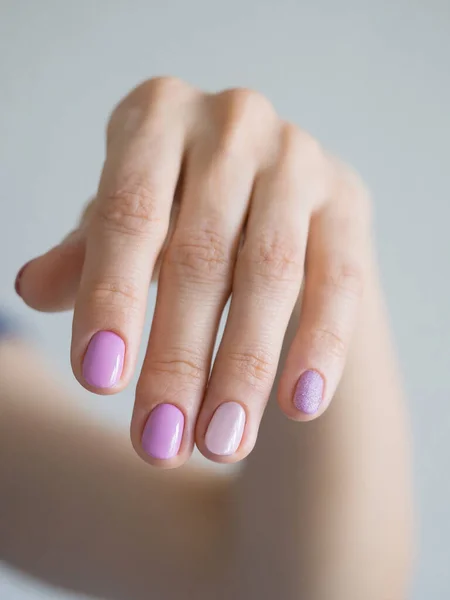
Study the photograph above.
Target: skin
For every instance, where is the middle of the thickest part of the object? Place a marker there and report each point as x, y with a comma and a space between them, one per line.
321, 510
214, 193
217, 195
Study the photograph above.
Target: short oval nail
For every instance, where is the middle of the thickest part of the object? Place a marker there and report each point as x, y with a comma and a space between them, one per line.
163, 432
19, 277
308, 393
225, 430
103, 361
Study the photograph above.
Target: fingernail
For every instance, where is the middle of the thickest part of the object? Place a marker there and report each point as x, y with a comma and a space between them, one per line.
225, 430
103, 361
19, 277
163, 432
309, 392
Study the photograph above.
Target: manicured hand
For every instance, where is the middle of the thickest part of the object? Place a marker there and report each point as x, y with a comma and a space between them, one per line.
221, 197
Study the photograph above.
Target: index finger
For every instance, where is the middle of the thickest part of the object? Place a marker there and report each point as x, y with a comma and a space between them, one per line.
125, 235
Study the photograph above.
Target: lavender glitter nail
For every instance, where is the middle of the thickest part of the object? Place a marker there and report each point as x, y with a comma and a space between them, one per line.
309, 392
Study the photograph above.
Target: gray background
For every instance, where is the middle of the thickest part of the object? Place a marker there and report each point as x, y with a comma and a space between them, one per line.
370, 79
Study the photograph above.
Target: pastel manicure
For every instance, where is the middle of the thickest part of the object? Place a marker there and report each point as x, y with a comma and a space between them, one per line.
308, 393
163, 432
103, 361
225, 430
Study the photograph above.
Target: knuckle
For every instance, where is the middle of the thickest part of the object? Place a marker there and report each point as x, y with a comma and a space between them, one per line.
165, 88
244, 103
297, 141
130, 210
115, 293
255, 366
352, 191
326, 340
274, 259
242, 112
344, 277
183, 363
302, 160
302, 153
200, 255
162, 87
146, 100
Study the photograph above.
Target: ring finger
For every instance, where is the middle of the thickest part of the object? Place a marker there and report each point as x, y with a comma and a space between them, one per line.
266, 286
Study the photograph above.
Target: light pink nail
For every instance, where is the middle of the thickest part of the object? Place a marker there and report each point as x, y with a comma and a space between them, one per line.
225, 430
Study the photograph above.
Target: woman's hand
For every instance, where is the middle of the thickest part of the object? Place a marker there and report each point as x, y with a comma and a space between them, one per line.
229, 199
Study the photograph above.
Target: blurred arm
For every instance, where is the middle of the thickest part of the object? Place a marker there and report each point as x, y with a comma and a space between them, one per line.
322, 510
80, 510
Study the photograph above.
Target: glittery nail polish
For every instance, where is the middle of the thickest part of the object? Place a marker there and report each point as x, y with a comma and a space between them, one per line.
308, 393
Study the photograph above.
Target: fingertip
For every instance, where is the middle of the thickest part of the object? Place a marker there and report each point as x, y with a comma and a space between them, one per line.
309, 392
161, 437
225, 430
305, 400
49, 282
229, 436
18, 280
224, 459
103, 361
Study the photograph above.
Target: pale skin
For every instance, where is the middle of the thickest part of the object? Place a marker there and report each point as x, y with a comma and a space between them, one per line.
232, 200
321, 510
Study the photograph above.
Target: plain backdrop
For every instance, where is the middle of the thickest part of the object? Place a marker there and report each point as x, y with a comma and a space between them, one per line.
370, 79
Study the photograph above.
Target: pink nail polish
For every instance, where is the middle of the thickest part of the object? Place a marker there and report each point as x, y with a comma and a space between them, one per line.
308, 393
103, 361
225, 430
163, 432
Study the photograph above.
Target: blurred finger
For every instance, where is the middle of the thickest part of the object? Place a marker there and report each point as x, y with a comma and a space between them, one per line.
49, 283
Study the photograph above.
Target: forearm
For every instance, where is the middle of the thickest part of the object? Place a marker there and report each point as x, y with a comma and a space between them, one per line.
80, 510
338, 505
